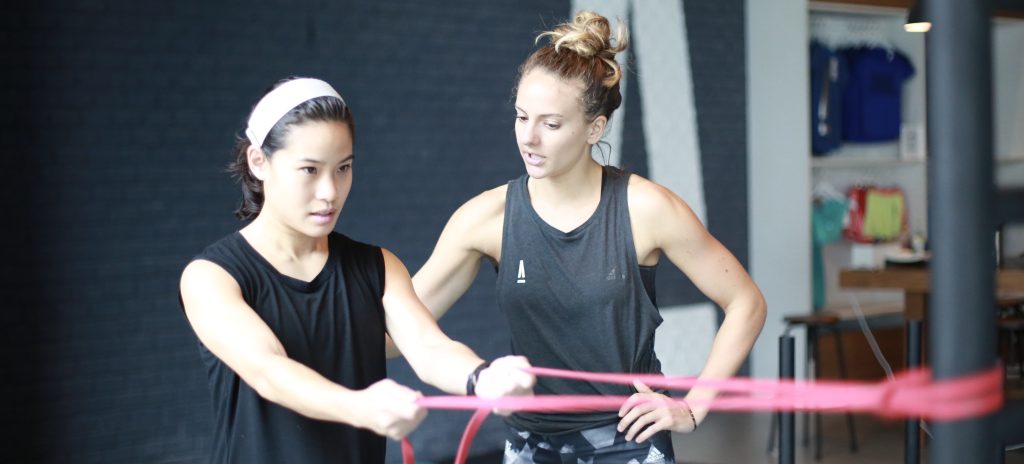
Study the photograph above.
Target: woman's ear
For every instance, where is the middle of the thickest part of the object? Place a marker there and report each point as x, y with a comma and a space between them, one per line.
596, 129
257, 162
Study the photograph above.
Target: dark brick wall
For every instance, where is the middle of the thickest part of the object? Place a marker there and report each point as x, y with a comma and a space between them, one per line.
717, 45
716, 37
116, 120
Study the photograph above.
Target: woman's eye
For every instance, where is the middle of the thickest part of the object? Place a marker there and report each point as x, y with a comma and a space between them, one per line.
345, 168
552, 126
308, 170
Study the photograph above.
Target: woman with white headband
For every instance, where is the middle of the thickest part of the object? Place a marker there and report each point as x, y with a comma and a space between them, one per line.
291, 316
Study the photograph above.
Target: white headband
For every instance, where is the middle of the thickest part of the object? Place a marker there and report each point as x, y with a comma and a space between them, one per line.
274, 105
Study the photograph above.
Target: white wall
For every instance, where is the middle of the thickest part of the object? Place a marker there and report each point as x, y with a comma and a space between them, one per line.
663, 74
1008, 89
779, 167
1008, 68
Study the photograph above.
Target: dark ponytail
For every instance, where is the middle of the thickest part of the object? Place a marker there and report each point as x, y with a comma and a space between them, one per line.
252, 188
320, 109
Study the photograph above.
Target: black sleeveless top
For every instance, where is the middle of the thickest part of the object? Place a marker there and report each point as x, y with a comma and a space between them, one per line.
333, 324
576, 300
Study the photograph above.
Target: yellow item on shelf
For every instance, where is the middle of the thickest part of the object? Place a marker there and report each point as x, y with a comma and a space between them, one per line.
883, 215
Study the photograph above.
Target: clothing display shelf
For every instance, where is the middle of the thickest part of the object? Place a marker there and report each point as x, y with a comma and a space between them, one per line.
850, 162
893, 7
839, 162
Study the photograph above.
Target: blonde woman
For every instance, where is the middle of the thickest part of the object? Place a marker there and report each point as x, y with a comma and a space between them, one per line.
576, 244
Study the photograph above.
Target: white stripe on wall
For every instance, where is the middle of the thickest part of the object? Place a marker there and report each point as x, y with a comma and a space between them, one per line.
613, 10
666, 89
683, 341
659, 42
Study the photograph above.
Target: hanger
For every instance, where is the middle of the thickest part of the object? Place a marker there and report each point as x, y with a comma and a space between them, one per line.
824, 190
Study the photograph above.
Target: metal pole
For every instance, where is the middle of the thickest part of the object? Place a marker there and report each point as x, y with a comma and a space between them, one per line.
960, 223
912, 432
787, 426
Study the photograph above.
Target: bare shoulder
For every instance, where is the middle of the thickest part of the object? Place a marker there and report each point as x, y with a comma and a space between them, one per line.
650, 200
206, 289
392, 263
661, 219
484, 207
478, 223
201, 276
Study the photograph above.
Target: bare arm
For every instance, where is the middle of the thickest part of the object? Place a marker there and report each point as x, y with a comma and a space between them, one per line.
471, 234
233, 332
716, 272
437, 359
662, 222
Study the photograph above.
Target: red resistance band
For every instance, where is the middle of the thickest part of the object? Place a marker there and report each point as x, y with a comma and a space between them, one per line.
909, 394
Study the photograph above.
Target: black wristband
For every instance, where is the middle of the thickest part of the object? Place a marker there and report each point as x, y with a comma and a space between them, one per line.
473, 377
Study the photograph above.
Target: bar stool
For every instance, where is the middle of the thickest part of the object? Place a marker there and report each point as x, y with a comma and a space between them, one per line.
1011, 322
817, 324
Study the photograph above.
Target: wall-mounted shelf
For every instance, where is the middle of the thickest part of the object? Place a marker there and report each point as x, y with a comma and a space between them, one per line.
850, 162
894, 6
860, 162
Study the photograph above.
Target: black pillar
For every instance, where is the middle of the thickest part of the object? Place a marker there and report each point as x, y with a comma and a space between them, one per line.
960, 224
787, 425
912, 428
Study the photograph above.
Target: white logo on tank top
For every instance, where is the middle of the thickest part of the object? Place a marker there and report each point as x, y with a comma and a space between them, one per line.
521, 276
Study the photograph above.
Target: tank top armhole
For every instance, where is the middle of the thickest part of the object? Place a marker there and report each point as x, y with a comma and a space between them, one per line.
647, 273
631, 242
509, 191
381, 283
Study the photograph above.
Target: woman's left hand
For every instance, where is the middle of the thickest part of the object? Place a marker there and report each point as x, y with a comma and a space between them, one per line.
647, 413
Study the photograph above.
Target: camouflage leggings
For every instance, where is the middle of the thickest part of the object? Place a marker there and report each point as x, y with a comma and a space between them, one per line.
598, 445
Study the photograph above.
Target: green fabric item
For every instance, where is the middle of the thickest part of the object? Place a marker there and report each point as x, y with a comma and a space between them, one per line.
827, 220
817, 278
883, 215
826, 227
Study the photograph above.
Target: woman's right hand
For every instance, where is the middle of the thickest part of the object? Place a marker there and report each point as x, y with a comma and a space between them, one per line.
389, 409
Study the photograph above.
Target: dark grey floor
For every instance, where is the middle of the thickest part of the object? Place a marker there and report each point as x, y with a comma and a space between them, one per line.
743, 438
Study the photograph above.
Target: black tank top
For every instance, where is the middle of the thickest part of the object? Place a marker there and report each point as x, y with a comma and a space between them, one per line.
576, 300
333, 324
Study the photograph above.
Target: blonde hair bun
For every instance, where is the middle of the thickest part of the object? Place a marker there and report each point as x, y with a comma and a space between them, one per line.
590, 35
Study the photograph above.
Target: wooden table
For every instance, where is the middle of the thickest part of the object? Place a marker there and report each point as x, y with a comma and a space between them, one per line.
914, 282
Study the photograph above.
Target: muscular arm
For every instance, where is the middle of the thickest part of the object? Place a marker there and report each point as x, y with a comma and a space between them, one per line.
437, 359
472, 233
669, 225
233, 332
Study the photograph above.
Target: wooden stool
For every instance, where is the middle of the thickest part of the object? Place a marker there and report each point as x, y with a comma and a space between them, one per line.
1011, 322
